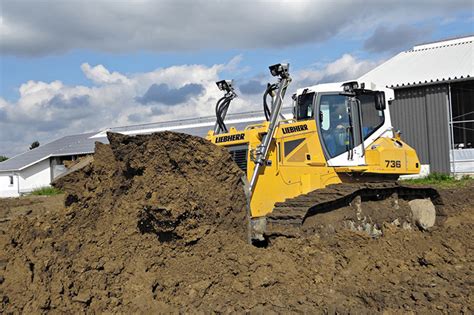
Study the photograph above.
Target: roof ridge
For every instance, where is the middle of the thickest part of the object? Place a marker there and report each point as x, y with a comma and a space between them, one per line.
229, 116
443, 43
437, 47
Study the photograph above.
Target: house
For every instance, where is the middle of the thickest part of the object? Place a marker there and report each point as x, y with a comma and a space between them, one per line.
434, 102
38, 167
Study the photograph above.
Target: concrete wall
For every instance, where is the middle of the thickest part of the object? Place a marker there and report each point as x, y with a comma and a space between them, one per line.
424, 171
7, 189
35, 176
462, 161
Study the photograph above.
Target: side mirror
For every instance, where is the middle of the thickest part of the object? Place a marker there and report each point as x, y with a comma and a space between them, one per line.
380, 101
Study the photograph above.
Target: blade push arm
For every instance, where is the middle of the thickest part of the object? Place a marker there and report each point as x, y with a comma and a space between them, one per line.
280, 70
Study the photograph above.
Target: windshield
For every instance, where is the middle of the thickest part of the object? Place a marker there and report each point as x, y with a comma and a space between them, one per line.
334, 121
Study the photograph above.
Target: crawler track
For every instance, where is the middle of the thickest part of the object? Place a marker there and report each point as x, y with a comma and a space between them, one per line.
288, 217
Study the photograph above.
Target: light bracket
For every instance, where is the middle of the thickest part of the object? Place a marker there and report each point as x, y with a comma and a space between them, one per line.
280, 70
350, 87
225, 85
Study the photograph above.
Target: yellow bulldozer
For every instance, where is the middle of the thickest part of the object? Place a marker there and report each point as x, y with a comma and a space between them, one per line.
338, 147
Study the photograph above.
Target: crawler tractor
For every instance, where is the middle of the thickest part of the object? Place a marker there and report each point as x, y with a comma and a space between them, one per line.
338, 146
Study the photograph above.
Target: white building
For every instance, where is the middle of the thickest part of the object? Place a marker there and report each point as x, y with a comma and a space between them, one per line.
434, 102
38, 167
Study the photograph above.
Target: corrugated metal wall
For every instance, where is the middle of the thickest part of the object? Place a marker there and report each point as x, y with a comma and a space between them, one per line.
421, 114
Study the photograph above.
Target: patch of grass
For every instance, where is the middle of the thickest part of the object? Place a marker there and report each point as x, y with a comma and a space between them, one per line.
442, 181
46, 191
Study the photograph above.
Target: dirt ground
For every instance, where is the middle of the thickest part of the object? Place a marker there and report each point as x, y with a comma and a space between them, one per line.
12, 208
125, 243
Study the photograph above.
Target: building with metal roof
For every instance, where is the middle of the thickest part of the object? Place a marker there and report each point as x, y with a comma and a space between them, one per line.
66, 146
39, 167
433, 85
427, 64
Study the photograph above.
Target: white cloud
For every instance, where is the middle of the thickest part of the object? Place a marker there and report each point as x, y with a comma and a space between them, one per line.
99, 74
46, 27
46, 111
33, 88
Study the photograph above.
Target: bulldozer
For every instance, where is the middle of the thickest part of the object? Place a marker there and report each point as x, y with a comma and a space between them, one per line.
338, 148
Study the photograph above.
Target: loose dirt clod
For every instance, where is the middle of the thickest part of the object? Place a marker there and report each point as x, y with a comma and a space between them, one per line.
158, 224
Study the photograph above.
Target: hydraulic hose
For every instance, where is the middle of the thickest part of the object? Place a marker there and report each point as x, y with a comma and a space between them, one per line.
222, 110
219, 119
221, 107
266, 109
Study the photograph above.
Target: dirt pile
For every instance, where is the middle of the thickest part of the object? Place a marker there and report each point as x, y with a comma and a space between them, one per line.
181, 187
157, 224
140, 195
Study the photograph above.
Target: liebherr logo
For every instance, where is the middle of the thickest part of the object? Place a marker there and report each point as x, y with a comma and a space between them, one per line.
295, 129
239, 136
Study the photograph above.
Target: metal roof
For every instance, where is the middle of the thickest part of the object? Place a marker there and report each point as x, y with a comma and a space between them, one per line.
69, 145
85, 143
193, 125
444, 61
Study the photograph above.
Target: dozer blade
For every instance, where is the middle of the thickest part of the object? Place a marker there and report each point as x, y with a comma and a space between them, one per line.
288, 218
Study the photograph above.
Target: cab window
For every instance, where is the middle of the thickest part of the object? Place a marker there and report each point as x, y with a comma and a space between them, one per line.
371, 118
334, 121
304, 106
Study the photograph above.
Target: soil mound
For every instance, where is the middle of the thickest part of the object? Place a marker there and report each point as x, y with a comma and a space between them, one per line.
139, 195
179, 187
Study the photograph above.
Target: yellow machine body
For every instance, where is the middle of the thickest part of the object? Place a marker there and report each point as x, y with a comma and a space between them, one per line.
296, 163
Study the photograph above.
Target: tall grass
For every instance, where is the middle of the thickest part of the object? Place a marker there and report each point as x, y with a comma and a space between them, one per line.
46, 191
442, 180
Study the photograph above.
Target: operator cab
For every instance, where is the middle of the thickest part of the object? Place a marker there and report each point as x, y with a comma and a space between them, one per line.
347, 116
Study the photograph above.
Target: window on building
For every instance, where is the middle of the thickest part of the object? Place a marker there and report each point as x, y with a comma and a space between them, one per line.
10, 178
462, 121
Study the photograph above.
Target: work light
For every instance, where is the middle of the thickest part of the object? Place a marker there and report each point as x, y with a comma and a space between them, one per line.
349, 87
225, 85
280, 69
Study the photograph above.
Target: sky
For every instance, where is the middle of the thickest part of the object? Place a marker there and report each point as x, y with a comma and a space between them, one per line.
74, 66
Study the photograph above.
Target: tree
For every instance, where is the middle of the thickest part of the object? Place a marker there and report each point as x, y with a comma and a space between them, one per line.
3, 158
35, 144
